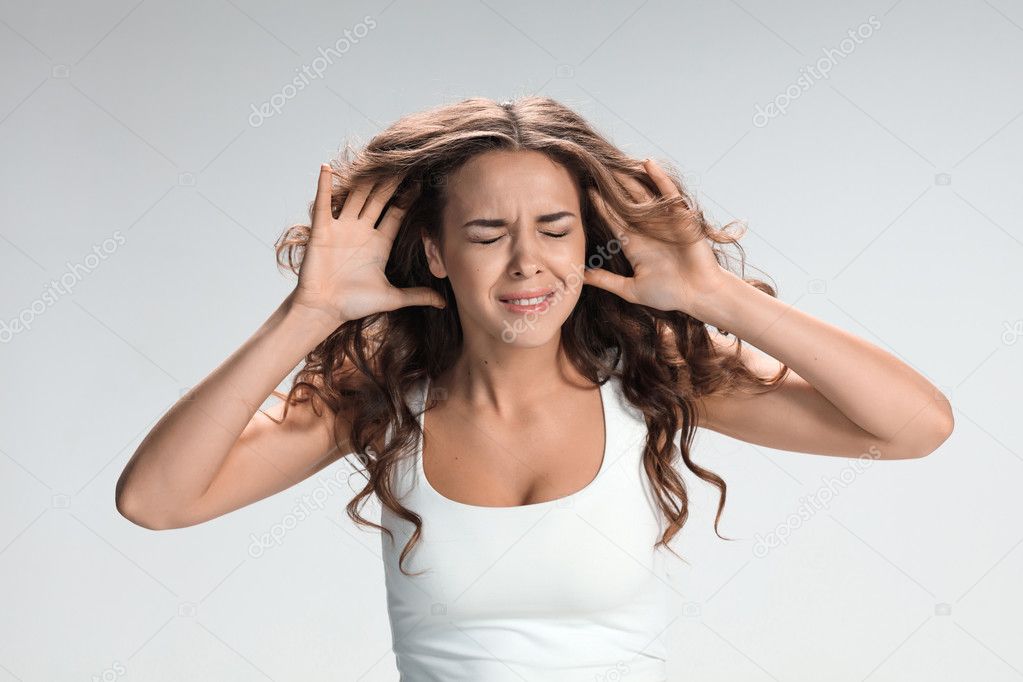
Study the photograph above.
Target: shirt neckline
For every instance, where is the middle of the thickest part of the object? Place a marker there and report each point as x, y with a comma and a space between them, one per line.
563, 500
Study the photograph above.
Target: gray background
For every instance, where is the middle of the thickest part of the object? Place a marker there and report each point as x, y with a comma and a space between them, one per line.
884, 200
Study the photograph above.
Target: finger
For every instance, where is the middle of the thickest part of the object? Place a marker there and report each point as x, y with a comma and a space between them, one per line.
391, 222
355, 200
622, 177
614, 220
417, 296
688, 218
635, 189
324, 187
610, 281
618, 226
661, 179
380, 196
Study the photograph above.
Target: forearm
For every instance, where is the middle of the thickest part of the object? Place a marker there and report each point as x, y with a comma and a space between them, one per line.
873, 388
179, 457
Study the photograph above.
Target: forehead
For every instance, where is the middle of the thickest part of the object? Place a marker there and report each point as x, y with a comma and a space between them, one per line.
503, 183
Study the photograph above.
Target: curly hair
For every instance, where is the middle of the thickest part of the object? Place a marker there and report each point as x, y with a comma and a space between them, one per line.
364, 370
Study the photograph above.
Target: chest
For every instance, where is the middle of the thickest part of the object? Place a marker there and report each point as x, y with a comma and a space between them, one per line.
573, 550
589, 552
482, 461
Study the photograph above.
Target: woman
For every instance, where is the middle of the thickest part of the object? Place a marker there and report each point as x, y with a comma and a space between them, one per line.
543, 300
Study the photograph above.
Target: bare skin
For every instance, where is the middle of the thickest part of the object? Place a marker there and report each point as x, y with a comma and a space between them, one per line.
844, 397
213, 452
519, 425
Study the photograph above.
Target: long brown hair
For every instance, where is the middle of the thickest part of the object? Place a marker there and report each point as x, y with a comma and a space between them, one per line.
366, 367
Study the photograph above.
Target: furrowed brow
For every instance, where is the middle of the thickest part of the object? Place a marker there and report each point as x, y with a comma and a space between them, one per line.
500, 222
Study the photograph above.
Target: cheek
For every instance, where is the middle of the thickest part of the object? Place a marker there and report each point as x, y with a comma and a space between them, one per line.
569, 263
472, 275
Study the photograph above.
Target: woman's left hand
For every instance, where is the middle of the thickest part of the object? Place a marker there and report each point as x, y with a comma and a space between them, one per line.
666, 276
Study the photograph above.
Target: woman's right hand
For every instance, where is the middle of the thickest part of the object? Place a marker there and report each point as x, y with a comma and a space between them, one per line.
342, 271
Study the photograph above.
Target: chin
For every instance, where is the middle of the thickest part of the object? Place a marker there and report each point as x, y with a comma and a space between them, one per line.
530, 339
527, 331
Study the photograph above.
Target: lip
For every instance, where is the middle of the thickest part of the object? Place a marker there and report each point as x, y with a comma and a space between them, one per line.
526, 293
540, 307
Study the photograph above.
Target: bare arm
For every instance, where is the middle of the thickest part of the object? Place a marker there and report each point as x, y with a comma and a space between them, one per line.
214, 439
843, 396
213, 452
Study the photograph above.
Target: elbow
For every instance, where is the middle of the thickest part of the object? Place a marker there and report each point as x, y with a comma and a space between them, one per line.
131, 503
132, 509
940, 427
944, 424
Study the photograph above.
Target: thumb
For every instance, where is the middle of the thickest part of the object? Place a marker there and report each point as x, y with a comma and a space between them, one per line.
609, 281
420, 296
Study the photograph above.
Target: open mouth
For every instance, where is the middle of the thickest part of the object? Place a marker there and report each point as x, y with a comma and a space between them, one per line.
528, 301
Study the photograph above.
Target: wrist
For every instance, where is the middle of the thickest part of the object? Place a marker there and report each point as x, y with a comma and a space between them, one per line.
716, 302
318, 322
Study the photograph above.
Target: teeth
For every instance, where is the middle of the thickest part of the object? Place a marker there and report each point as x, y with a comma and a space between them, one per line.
527, 301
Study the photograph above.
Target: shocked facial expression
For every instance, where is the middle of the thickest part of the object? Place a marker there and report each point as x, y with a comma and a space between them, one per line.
513, 245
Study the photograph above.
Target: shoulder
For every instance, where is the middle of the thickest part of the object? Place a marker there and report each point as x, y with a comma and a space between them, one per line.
716, 405
757, 362
723, 344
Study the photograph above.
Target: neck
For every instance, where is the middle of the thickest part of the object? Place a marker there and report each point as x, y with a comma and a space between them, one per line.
509, 379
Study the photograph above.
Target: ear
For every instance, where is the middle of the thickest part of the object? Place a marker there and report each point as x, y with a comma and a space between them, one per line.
433, 257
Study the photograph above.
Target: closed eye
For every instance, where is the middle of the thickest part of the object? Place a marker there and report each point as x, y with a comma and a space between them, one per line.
556, 235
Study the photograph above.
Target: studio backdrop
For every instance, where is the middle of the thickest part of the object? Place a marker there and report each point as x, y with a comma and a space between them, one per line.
152, 154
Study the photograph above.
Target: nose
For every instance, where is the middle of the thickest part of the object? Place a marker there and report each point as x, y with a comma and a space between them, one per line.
525, 258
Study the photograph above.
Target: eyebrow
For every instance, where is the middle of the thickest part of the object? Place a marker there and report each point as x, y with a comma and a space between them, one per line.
499, 222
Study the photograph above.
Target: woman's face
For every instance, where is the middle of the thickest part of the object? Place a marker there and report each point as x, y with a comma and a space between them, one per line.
512, 234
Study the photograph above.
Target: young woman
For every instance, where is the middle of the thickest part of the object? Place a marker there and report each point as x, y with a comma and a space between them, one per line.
505, 275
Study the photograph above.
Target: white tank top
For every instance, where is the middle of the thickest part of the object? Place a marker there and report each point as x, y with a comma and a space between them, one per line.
568, 589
